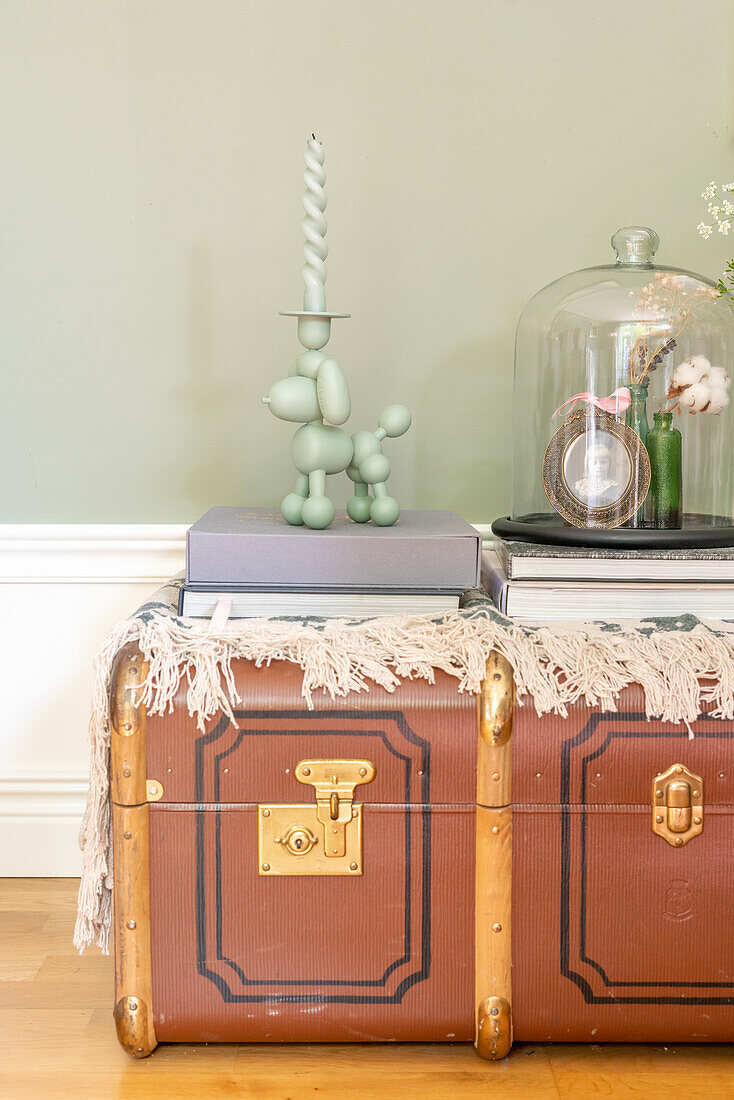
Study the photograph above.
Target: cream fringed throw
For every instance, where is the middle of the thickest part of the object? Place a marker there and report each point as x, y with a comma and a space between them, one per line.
680, 663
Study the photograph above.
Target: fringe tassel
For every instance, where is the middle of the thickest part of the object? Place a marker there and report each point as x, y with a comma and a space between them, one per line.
679, 670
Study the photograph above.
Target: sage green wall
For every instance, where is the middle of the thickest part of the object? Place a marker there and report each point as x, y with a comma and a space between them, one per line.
150, 186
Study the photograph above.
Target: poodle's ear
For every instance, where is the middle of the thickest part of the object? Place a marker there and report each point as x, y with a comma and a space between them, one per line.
333, 393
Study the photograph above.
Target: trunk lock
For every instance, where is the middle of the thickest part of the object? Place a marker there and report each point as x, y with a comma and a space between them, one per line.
677, 805
325, 839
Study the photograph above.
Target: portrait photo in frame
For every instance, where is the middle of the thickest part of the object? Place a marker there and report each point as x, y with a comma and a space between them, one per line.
596, 471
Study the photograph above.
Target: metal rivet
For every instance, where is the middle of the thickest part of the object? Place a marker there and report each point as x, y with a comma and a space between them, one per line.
658, 794
598, 775
133, 1006
133, 670
679, 769
420, 771
697, 821
678, 841
226, 771
266, 866
537, 775
497, 676
497, 927
266, 813
128, 835
170, 770
128, 725
353, 866
306, 771
696, 794
131, 924
496, 776
495, 829
153, 789
721, 775
494, 1012
363, 771
126, 772
659, 819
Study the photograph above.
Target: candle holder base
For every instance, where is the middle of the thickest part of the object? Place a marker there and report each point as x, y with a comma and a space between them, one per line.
314, 329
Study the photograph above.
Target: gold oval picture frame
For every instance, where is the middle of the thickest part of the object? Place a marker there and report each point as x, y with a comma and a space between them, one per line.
596, 471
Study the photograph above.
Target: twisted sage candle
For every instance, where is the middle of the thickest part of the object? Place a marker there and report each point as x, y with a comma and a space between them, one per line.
315, 249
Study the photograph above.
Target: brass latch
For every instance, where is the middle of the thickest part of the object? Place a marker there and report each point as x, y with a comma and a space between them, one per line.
325, 839
677, 805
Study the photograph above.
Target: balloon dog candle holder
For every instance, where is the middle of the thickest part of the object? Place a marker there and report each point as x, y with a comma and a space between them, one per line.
316, 395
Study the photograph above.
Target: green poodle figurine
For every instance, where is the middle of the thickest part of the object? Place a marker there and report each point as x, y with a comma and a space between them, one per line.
316, 391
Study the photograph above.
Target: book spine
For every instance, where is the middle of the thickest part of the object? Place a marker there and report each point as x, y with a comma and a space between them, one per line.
505, 558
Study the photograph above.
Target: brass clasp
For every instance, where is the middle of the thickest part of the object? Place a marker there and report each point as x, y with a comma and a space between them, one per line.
677, 805
325, 839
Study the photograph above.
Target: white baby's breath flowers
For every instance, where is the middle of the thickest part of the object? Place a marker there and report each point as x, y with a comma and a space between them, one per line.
670, 282
720, 209
699, 387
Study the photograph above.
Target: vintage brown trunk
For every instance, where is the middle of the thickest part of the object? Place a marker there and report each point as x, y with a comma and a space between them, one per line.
619, 933
542, 879
383, 950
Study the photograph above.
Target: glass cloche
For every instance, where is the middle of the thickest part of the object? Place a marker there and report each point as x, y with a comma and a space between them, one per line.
622, 413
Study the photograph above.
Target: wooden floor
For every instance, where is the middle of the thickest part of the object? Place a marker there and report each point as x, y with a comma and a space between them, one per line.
57, 1039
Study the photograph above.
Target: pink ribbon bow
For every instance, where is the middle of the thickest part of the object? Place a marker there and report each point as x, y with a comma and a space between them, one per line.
617, 402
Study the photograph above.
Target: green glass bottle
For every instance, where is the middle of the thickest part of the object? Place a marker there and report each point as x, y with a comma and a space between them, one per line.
636, 419
664, 445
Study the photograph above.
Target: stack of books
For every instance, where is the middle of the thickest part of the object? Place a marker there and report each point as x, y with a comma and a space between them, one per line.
533, 583
252, 562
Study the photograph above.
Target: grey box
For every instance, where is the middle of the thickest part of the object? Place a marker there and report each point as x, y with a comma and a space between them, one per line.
256, 548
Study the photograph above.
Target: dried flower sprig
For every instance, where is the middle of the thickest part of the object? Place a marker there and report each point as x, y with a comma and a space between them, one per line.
656, 360
666, 308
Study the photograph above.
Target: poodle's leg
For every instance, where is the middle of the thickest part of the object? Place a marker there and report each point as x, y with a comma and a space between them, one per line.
375, 470
318, 511
291, 507
358, 506
385, 509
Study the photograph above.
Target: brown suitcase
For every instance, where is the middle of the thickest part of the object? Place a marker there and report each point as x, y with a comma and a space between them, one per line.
310, 874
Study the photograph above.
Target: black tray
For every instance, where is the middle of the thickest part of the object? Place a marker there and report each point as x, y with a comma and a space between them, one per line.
698, 532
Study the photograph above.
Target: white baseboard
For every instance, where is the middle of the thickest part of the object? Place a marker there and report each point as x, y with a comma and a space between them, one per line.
40, 816
63, 586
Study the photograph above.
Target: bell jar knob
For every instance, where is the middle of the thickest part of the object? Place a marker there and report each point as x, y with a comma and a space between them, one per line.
635, 244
